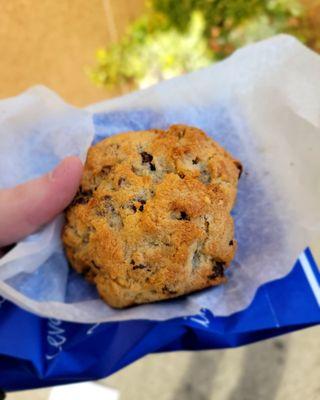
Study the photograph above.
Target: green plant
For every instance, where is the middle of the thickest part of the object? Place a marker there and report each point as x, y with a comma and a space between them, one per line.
174, 37
144, 58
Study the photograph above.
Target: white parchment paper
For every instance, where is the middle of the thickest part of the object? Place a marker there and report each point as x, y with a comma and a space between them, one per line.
262, 104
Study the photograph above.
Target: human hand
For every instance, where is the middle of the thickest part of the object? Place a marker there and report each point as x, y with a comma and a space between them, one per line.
26, 207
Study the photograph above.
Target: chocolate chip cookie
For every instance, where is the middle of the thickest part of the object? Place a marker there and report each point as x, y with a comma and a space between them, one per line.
151, 219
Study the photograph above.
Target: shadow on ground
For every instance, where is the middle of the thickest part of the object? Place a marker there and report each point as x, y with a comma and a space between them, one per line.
261, 374
198, 380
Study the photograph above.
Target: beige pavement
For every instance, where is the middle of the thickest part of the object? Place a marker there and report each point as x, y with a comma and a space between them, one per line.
53, 42
277, 369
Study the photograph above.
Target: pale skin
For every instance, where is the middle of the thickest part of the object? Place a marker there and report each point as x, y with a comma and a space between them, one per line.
27, 207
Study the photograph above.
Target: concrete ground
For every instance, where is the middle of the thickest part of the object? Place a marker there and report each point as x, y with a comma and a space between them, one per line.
279, 369
52, 42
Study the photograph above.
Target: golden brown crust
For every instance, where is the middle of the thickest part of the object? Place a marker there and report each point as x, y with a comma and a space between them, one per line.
152, 220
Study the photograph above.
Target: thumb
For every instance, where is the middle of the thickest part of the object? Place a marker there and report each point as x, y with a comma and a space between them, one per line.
24, 208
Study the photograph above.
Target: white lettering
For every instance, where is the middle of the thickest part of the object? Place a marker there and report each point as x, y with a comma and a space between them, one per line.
201, 319
56, 338
92, 329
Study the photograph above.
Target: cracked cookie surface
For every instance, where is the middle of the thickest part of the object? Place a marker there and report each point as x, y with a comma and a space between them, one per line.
151, 219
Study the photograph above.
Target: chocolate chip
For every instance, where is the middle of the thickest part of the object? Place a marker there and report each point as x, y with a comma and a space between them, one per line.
182, 175
82, 197
146, 157
139, 266
80, 200
240, 168
217, 270
184, 216
195, 161
141, 207
132, 262
142, 201
206, 224
134, 208
219, 265
231, 243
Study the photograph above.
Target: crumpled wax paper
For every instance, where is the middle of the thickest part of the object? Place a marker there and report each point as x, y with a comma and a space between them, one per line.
262, 104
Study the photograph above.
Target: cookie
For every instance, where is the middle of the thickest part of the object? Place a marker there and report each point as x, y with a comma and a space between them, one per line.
151, 220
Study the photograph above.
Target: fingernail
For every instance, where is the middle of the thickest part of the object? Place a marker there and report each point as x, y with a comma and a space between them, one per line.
57, 172
67, 165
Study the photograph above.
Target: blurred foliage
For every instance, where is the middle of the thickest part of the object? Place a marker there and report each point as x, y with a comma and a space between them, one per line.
143, 58
174, 37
